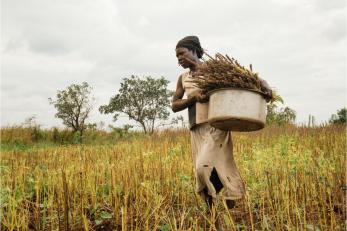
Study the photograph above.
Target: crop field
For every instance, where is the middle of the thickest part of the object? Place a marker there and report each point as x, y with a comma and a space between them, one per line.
295, 179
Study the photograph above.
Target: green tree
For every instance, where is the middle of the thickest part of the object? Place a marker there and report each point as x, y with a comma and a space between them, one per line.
73, 106
279, 116
143, 100
339, 117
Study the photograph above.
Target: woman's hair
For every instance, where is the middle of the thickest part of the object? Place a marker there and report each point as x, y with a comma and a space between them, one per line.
191, 43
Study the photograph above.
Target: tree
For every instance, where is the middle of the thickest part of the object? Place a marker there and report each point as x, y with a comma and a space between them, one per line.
35, 128
143, 100
279, 116
30, 122
340, 117
73, 106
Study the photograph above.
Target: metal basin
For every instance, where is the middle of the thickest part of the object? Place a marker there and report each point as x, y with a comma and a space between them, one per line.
237, 110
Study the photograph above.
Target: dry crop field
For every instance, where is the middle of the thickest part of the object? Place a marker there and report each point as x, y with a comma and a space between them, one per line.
295, 179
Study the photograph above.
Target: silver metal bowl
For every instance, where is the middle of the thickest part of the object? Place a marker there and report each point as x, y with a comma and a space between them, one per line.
237, 109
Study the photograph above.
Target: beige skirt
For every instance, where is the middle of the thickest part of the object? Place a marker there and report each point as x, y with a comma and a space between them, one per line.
215, 168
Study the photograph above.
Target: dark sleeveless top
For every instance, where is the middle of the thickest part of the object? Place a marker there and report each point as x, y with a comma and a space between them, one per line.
192, 115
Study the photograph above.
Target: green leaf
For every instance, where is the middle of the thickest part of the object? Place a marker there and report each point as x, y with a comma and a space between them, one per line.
98, 222
165, 227
105, 215
185, 178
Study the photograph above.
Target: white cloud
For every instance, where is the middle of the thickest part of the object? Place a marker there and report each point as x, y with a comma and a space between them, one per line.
297, 46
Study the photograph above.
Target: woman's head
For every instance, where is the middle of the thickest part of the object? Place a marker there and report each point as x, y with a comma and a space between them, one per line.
189, 51
192, 43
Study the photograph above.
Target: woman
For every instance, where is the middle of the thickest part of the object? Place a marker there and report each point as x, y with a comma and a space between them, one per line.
212, 149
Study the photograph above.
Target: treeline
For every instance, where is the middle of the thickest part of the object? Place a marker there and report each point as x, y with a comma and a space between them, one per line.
145, 101
24, 137
21, 136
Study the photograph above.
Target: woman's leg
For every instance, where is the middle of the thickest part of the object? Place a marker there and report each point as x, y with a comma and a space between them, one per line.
230, 204
210, 203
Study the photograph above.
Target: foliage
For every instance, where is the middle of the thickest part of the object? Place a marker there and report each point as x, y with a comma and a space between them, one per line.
36, 134
143, 100
73, 105
276, 98
19, 137
279, 116
339, 117
120, 133
178, 120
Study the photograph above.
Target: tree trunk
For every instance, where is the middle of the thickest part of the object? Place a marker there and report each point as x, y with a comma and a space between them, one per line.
144, 127
152, 127
81, 135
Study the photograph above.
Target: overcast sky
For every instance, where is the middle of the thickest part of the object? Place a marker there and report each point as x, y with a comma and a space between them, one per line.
297, 46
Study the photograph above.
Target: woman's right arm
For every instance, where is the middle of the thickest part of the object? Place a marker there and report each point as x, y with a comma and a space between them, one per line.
179, 104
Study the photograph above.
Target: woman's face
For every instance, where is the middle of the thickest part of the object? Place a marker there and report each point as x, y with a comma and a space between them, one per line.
184, 55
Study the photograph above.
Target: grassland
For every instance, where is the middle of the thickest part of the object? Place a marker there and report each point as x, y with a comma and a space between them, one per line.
295, 180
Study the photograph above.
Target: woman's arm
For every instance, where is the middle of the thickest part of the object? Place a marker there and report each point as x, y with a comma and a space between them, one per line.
179, 104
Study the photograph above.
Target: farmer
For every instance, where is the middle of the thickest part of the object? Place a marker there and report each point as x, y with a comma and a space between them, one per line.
212, 149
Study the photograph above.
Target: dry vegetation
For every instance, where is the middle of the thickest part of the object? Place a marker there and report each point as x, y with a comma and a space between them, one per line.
223, 72
295, 180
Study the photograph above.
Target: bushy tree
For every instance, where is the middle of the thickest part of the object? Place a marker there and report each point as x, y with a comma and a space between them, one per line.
339, 117
279, 116
73, 106
143, 100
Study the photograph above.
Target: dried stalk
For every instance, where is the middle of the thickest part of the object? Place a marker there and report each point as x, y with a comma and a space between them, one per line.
66, 201
225, 72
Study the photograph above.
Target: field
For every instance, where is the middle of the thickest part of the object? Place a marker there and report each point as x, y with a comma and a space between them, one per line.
295, 180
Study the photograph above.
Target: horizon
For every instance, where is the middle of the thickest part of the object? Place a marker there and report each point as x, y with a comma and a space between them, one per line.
298, 47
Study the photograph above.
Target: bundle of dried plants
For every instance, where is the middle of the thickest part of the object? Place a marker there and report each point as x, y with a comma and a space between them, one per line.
225, 72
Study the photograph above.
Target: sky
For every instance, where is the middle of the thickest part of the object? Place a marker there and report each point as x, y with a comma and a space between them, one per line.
297, 46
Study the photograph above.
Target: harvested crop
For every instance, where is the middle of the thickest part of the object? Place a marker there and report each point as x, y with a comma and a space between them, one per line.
225, 72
